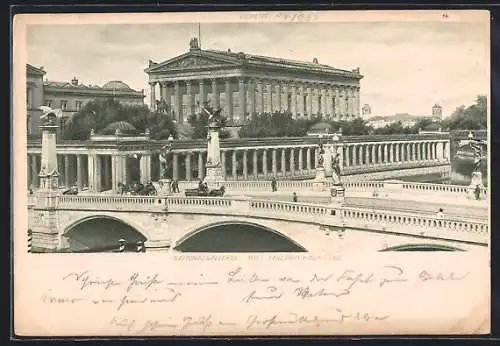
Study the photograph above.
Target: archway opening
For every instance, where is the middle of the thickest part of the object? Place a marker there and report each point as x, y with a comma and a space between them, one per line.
237, 237
421, 247
101, 234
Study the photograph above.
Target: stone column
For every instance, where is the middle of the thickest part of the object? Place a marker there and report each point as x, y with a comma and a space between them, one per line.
374, 154
145, 167
215, 94
360, 154
413, 147
32, 173
164, 92
347, 156
234, 164
189, 175
115, 173
255, 163
190, 97
175, 166
203, 94
324, 109
354, 155
229, 98
278, 96
309, 102
398, 158
245, 164
152, 95
283, 161
391, 152
178, 103
264, 162
366, 148
292, 161
294, 100
337, 107
252, 95
66, 170
386, 153
97, 173
301, 160
286, 107
331, 102
308, 159
274, 162
91, 171
260, 88
242, 99
223, 162
269, 88
200, 165
379, 154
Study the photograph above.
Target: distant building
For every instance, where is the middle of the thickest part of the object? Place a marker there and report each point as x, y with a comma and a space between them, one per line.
245, 84
366, 110
437, 111
379, 122
69, 96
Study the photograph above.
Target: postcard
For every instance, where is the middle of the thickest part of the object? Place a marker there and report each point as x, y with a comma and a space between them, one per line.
251, 173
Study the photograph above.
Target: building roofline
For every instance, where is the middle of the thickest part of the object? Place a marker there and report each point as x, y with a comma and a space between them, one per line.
243, 59
35, 70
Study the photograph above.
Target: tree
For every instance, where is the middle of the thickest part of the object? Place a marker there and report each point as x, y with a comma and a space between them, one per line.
473, 117
355, 127
393, 128
97, 114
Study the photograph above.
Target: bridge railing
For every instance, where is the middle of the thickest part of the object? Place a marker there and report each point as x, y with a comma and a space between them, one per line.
336, 216
111, 202
297, 185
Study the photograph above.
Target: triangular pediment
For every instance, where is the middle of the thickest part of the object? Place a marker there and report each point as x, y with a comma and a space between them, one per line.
191, 60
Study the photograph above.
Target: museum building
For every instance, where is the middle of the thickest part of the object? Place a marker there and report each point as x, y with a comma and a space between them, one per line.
70, 97
245, 84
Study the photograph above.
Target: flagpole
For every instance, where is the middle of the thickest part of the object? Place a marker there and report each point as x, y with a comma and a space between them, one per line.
199, 35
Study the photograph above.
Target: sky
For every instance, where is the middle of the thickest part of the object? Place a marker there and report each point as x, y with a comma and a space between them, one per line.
407, 66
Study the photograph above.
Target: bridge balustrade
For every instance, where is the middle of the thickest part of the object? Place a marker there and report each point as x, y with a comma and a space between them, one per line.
390, 221
418, 225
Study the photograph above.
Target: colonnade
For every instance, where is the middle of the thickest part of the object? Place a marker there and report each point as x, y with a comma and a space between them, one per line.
101, 171
241, 96
358, 154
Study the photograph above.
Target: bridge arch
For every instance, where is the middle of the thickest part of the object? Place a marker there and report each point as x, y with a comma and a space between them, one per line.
100, 232
421, 247
236, 236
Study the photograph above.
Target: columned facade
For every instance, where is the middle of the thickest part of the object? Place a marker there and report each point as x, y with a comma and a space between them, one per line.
105, 169
242, 84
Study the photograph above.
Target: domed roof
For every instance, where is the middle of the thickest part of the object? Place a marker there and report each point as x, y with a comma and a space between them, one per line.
116, 84
321, 127
123, 127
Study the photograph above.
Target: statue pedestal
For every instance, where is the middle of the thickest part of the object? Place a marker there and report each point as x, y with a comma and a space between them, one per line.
214, 175
319, 183
165, 187
337, 194
477, 179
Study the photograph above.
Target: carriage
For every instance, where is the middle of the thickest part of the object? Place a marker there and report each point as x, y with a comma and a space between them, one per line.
201, 192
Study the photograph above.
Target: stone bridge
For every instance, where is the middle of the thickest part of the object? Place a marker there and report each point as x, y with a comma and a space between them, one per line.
244, 224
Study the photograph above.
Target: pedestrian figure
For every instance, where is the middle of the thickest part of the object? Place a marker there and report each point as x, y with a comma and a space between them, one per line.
295, 197
176, 186
477, 192
274, 184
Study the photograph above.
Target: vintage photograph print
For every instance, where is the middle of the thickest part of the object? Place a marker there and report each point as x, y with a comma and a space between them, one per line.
251, 173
